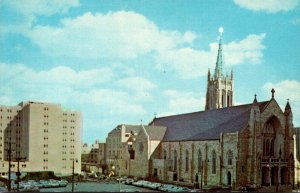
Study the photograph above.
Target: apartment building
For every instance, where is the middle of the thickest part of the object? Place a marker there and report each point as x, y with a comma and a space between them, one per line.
43, 136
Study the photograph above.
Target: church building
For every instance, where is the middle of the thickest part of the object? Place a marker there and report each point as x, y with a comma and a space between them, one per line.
224, 145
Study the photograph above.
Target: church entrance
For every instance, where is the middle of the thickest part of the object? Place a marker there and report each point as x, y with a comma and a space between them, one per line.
265, 177
229, 179
274, 176
174, 176
284, 175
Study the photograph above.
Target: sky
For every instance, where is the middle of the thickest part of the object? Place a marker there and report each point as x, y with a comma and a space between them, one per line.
124, 62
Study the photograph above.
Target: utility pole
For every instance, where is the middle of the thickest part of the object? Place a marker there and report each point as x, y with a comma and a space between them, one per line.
73, 168
9, 164
18, 172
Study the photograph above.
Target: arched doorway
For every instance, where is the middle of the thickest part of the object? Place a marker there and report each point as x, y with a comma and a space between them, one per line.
228, 178
265, 176
284, 175
274, 176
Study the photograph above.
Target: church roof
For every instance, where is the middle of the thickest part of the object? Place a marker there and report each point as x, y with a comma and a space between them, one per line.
206, 124
155, 132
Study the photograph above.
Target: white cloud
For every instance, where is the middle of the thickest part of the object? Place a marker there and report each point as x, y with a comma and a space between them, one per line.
43, 7
183, 102
66, 86
247, 50
25, 13
287, 89
61, 75
270, 6
113, 101
113, 35
136, 83
189, 63
128, 35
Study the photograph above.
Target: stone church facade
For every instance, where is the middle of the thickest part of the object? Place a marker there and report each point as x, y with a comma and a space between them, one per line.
225, 145
243, 145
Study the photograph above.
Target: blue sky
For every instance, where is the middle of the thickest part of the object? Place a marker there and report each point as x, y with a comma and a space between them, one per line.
123, 61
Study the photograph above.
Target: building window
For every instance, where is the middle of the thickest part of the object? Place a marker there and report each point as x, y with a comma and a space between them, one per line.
186, 160
228, 101
141, 146
272, 148
175, 160
165, 154
229, 158
267, 150
222, 100
214, 162
199, 161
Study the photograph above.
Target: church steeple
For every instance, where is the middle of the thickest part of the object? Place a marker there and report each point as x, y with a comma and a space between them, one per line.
219, 86
219, 63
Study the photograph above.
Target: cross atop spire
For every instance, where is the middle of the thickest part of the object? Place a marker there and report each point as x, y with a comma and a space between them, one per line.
219, 63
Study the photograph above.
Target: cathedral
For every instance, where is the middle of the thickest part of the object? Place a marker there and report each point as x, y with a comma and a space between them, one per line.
224, 145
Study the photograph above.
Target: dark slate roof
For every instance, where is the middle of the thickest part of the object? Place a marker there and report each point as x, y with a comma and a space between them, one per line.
156, 132
206, 124
128, 128
132, 128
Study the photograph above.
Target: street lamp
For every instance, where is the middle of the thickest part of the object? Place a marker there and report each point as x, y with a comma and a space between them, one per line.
73, 173
113, 168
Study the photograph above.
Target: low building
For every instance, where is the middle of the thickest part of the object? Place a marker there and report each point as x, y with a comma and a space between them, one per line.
115, 141
93, 158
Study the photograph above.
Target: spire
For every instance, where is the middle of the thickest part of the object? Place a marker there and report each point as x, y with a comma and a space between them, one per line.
219, 63
287, 106
255, 100
208, 75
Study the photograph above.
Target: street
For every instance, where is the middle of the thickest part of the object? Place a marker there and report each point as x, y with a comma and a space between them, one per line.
97, 187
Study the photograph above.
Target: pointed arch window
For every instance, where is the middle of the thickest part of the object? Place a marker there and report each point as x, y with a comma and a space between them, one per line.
165, 154
272, 148
264, 147
222, 100
267, 147
199, 161
175, 161
228, 100
214, 162
186, 160
229, 158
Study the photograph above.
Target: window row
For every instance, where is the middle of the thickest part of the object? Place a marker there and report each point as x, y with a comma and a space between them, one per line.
229, 158
8, 110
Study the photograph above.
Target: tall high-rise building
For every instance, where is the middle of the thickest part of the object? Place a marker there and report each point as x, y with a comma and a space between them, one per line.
219, 92
44, 135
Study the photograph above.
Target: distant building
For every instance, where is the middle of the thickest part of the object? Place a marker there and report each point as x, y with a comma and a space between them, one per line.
93, 158
44, 135
139, 149
115, 141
